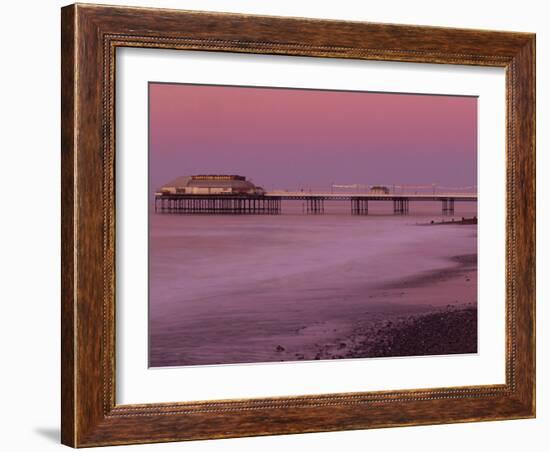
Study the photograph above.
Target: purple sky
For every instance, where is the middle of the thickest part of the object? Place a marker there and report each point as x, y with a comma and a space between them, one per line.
291, 138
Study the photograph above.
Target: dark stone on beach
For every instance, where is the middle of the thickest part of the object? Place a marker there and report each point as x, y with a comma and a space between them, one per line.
452, 331
280, 348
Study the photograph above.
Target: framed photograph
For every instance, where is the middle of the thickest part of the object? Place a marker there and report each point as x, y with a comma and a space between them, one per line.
281, 225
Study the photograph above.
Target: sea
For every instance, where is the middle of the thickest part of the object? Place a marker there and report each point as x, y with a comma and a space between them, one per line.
228, 289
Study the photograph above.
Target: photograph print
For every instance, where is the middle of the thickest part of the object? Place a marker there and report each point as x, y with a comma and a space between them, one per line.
292, 224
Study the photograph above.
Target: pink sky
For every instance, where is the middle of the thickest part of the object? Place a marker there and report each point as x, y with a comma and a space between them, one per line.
293, 138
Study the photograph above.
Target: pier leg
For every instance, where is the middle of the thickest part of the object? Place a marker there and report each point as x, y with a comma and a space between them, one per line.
400, 206
448, 206
396, 206
359, 206
314, 205
238, 205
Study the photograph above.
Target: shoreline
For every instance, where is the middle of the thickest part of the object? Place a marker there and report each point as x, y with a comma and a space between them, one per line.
444, 331
464, 265
434, 321
431, 313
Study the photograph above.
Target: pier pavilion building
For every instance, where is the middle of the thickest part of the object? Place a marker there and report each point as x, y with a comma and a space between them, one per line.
211, 184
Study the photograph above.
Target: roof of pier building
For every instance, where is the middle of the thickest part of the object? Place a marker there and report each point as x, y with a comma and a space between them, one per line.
230, 183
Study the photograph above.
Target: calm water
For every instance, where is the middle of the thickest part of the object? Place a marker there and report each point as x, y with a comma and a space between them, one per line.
229, 289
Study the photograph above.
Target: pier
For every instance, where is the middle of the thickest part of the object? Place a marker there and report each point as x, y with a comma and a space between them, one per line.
269, 203
218, 204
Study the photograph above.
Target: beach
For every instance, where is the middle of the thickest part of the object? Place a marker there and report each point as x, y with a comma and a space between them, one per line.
431, 329
244, 289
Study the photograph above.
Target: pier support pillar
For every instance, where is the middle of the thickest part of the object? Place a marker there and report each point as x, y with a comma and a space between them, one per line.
222, 204
448, 206
359, 206
315, 205
400, 206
